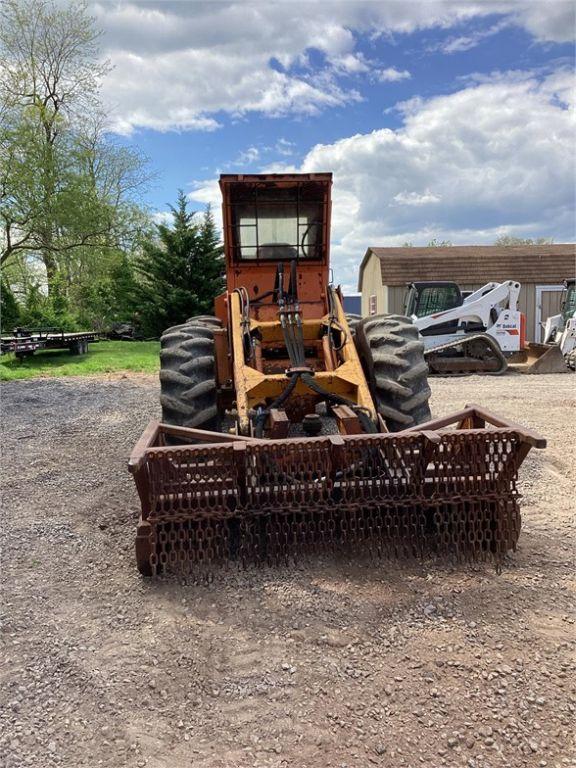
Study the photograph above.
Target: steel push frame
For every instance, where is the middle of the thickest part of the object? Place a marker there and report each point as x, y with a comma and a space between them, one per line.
446, 487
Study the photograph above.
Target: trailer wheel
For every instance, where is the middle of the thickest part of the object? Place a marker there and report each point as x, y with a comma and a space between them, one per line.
393, 359
187, 376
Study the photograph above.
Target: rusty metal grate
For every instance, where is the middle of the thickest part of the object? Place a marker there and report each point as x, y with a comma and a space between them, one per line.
447, 488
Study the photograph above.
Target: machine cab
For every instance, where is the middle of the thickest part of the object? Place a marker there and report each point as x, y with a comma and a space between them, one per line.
424, 299
568, 308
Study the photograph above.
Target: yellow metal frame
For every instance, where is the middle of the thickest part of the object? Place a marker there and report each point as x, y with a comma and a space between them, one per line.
253, 388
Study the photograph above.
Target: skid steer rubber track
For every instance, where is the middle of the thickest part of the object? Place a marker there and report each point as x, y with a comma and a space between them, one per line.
187, 378
393, 358
478, 353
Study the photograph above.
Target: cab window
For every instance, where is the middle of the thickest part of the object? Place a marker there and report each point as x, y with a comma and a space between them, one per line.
569, 305
277, 224
427, 300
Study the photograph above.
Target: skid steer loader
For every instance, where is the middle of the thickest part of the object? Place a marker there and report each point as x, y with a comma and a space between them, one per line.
557, 352
285, 430
479, 331
473, 333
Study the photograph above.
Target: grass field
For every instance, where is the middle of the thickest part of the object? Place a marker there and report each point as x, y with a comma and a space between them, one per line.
102, 357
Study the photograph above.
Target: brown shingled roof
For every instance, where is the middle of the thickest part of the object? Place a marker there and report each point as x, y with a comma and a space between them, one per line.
477, 264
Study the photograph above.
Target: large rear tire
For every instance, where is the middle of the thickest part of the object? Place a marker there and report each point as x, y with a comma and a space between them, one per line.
393, 358
353, 320
187, 374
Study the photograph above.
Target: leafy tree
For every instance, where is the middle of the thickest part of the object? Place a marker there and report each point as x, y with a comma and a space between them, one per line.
124, 289
66, 190
181, 270
9, 311
50, 71
111, 298
51, 310
510, 240
435, 243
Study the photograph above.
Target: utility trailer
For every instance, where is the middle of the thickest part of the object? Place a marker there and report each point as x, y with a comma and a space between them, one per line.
25, 341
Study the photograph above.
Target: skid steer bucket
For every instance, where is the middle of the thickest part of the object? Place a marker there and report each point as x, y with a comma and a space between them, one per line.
540, 358
444, 488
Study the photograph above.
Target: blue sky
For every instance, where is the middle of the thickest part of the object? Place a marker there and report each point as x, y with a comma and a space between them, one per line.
441, 119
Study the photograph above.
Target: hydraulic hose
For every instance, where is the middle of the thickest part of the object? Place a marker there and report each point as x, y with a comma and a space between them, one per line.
261, 417
291, 324
332, 397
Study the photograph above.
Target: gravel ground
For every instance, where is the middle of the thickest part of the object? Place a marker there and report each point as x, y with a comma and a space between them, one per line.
329, 664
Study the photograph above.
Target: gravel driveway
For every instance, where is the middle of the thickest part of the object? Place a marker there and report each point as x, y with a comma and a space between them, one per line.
329, 664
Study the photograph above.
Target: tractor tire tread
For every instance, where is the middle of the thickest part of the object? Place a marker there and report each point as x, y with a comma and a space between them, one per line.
171, 378
353, 319
414, 373
199, 390
393, 359
209, 320
189, 367
187, 376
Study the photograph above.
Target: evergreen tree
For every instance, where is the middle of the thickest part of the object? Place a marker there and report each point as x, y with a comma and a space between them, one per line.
123, 289
181, 270
9, 311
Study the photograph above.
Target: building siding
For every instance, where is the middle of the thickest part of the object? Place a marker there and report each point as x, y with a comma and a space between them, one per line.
372, 286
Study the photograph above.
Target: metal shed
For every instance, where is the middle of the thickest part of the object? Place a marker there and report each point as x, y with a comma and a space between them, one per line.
541, 269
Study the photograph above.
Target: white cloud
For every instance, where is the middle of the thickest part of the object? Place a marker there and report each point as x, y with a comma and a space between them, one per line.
179, 90
285, 148
179, 64
248, 156
493, 157
466, 42
162, 217
261, 155
551, 20
416, 198
392, 75
497, 156
351, 64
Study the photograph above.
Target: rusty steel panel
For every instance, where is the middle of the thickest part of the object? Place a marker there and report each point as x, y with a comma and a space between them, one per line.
412, 494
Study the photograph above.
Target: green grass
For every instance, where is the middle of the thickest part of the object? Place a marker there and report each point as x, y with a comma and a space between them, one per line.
102, 357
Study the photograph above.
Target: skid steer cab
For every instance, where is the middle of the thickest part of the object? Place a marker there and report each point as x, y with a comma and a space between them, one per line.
468, 332
289, 426
557, 353
561, 329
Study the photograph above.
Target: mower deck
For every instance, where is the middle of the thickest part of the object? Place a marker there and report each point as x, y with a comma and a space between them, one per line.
445, 487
